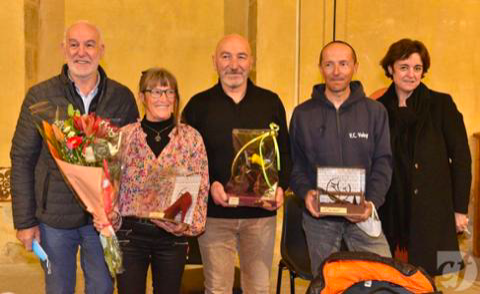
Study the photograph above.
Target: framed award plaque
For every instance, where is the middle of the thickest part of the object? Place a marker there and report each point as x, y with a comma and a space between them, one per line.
341, 191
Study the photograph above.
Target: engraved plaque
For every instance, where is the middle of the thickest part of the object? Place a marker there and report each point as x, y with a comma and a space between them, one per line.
341, 191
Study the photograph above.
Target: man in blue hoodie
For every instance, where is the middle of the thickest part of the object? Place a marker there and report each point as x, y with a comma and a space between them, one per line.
340, 127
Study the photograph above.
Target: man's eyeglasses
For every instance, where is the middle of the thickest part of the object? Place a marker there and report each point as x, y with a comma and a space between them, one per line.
157, 93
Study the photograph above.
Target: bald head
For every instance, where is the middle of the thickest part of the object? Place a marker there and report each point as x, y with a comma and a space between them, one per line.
233, 61
338, 43
83, 25
236, 39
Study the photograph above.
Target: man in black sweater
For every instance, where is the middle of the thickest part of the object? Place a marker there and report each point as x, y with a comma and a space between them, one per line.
236, 103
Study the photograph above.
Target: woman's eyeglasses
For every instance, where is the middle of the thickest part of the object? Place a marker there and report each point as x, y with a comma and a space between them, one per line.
157, 93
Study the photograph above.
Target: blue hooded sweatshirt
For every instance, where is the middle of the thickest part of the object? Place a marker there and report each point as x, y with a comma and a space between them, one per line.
355, 135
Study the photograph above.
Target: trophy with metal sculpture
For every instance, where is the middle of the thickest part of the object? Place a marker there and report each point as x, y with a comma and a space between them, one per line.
254, 171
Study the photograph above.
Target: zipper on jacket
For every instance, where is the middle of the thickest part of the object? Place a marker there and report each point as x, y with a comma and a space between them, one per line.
337, 114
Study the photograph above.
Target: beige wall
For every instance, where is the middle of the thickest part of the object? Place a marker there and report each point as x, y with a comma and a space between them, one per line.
178, 35
12, 83
51, 29
275, 62
12, 73
449, 29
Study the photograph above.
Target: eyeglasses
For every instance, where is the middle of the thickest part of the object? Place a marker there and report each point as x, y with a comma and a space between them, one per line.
157, 93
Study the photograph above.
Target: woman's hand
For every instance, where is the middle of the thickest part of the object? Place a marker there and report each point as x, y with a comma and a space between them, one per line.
461, 222
176, 229
98, 224
113, 217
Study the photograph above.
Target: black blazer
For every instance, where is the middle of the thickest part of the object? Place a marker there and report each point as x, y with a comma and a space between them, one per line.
440, 179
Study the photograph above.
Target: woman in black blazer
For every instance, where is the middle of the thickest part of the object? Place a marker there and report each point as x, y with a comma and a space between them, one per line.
426, 205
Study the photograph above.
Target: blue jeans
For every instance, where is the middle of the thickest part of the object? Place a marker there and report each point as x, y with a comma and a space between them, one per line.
61, 246
324, 237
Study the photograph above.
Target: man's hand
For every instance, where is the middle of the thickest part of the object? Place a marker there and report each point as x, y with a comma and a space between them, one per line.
367, 212
26, 236
278, 200
174, 228
218, 194
461, 222
311, 203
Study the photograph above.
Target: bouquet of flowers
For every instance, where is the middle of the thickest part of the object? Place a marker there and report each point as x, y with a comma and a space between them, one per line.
86, 148
254, 172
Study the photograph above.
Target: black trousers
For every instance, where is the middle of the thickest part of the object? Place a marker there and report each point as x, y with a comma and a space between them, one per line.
144, 244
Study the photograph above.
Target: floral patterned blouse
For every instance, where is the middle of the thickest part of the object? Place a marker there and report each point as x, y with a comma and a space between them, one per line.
185, 154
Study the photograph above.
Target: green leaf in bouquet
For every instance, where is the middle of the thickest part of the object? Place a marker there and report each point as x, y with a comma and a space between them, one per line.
112, 254
70, 110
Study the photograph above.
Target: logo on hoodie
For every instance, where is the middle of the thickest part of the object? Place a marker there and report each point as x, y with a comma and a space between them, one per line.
358, 135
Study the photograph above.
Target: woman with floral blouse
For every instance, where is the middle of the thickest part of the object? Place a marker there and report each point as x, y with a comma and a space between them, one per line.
158, 142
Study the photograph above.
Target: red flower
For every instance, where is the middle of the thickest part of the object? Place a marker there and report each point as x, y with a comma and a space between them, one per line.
103, 128
87, 123
77, 122
74, 142
96, 125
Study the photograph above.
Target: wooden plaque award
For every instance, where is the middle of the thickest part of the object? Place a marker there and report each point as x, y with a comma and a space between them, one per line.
341, 191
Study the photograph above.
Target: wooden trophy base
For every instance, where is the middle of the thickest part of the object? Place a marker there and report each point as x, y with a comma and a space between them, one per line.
334, 209
158, 215
251, 201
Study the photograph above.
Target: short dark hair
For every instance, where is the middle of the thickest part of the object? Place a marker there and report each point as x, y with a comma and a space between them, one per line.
354, 55
401, 50
156, 75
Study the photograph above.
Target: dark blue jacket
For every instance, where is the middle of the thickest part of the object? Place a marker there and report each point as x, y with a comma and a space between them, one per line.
355, 135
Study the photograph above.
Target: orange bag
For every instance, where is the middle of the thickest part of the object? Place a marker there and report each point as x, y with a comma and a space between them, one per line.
342, 270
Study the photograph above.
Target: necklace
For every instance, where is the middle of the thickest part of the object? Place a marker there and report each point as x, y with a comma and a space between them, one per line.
158, 138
